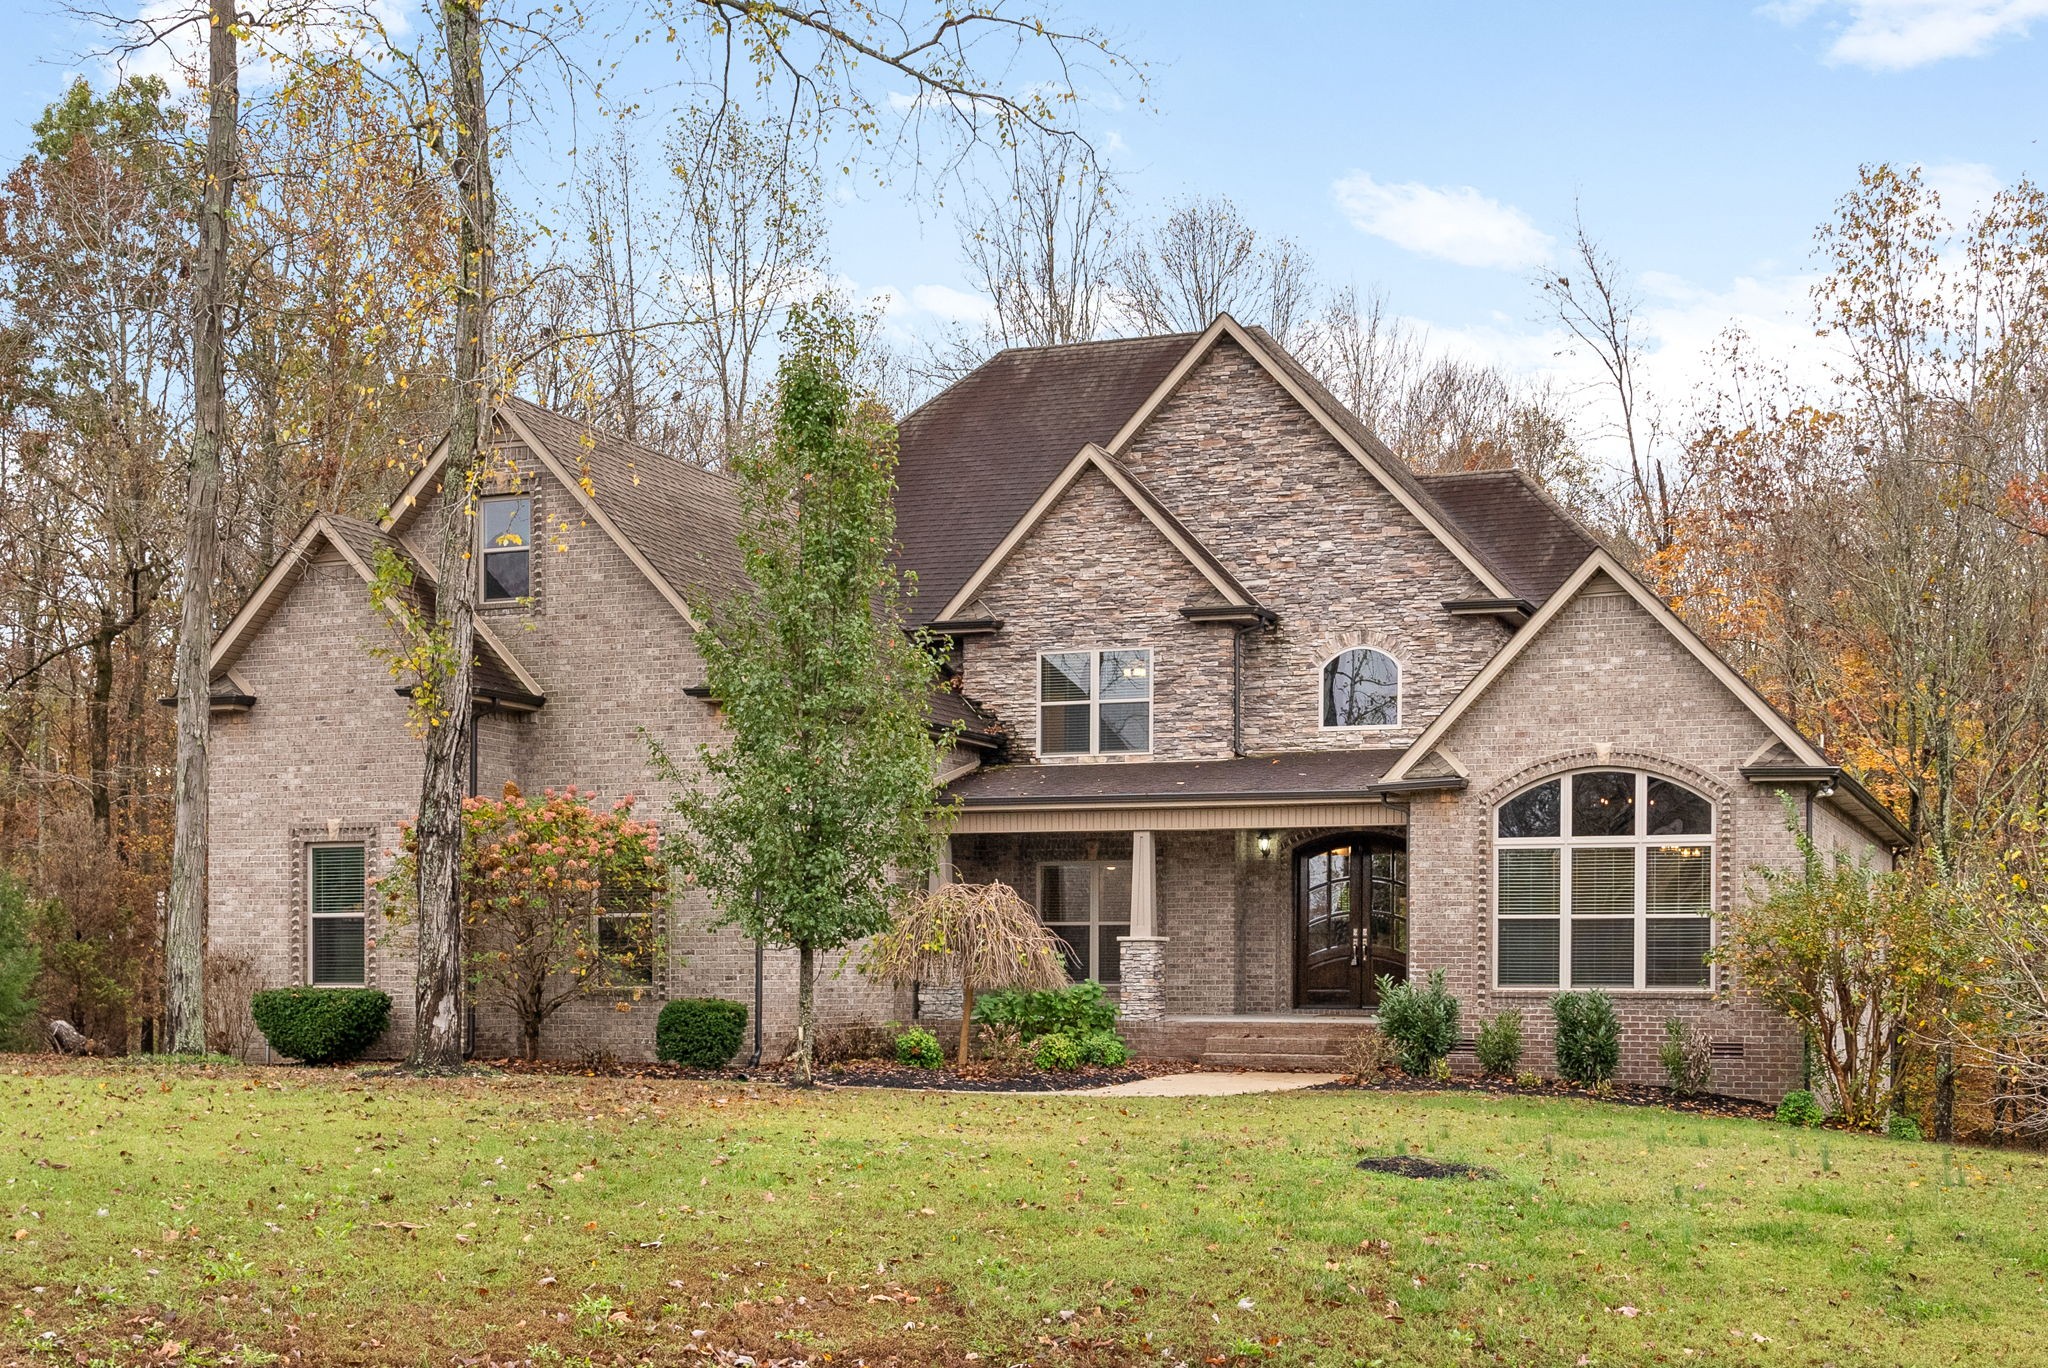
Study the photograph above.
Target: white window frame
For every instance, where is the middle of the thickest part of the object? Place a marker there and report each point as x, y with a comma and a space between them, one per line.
1096, 921
484, 552
361, 915
1095, 699
1322, 678
1565, 843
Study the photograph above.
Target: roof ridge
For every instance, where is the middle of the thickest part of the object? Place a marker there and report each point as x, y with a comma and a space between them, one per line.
656, 453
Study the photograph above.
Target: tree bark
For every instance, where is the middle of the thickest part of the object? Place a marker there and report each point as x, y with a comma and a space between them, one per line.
99, 723
437, 1031
966, 1018
185, 935
806, 973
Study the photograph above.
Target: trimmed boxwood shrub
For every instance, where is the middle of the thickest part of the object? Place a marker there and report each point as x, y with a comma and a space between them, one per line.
1105, 1048
1588, 1037
1500, 1044
320, 1025
1057, 1053
1800, 1108
919, 1049
703, 1033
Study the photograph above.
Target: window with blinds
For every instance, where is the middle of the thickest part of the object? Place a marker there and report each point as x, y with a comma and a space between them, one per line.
1087, 904
1604, 879
335, 883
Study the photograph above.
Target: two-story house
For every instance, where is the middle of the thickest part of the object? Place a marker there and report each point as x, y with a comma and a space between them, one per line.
1254, 715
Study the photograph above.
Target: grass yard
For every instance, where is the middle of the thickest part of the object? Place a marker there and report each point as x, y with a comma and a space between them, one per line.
256, 1215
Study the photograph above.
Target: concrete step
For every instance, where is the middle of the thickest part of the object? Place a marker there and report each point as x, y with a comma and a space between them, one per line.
1263, 1043
1273, 1061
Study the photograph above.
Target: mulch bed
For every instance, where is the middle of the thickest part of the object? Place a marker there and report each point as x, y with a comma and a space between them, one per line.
1621, 1094
1415, 1166
860, 1073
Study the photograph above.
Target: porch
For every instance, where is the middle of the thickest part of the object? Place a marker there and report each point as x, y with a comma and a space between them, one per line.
1241, 929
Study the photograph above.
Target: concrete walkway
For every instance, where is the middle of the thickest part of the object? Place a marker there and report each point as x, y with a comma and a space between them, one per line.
1209, 1085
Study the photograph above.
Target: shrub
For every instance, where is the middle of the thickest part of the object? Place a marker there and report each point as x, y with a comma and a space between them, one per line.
703, 1033
1057, 1053
20, 962
1588, 1037
1074, 1010
1105, 1048
1422, 1022
1688, 1058
1800, 1108
843, 1044
320, 1025
1528, 1078
1500, 1044
1003, 1049
1368, 1055
1902, 1127
919, 1048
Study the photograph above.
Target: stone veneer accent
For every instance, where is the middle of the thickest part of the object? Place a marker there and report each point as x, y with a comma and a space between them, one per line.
1144, 970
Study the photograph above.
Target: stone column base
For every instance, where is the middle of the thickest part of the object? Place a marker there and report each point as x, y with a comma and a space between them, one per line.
1144, 977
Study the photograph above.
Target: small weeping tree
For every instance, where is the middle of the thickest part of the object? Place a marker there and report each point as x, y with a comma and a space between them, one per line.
981, 936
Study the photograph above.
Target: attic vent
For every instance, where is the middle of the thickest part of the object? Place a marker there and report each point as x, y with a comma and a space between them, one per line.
1728, 1049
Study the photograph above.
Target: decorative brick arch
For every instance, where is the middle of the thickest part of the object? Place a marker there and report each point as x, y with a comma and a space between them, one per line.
1588, 757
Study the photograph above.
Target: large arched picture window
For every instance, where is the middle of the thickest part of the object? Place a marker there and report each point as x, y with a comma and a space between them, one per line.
1604, 879
1362, 688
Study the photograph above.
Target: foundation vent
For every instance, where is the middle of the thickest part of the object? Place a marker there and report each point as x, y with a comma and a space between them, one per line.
1729, 1049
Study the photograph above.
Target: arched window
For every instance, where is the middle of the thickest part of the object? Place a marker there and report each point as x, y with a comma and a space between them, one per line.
1604, 879
1362, 688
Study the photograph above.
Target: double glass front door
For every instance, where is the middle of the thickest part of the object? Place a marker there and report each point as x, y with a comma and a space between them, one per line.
1351, 919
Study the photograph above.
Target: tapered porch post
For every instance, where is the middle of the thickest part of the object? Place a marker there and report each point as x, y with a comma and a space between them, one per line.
1144, 950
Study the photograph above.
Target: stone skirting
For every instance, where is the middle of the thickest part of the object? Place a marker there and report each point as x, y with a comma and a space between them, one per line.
1144, 977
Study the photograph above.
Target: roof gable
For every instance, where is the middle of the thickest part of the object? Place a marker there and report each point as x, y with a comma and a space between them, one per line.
1094, 458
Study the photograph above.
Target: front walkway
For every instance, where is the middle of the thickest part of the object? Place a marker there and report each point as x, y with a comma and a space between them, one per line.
1209, 1085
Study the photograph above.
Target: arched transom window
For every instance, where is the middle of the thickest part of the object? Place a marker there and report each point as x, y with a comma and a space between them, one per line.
1604, 879
1362, 688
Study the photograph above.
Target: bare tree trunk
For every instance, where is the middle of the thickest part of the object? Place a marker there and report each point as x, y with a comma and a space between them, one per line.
99, 726
437, 1031
806, 974
185, 935
966, 1017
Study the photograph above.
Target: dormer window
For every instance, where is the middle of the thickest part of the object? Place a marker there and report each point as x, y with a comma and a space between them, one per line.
507, 534
1362, 688
1095, 702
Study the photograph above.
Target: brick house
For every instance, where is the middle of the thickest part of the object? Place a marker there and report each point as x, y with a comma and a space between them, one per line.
1253, 714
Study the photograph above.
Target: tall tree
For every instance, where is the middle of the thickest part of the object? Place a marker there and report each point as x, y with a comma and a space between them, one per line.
812, 822
185, 929
1203, 258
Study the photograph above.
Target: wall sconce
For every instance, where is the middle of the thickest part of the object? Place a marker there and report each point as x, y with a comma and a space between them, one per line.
1265, 844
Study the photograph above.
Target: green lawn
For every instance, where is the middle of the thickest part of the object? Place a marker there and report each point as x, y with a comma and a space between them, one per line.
242, 1213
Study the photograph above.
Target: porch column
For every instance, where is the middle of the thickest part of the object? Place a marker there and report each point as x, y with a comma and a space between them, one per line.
1144, 949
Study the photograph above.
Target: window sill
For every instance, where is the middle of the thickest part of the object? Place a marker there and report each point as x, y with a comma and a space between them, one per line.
1520, 990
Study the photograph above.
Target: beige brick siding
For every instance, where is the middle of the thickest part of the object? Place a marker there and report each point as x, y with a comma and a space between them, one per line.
327, 742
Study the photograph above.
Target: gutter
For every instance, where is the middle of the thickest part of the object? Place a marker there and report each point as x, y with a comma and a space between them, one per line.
1822, 780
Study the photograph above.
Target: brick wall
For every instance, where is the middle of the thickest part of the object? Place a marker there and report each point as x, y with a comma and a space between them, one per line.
327, 743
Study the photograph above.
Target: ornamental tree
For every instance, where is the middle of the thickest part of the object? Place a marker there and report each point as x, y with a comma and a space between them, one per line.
557, 896
980, 936
812, 822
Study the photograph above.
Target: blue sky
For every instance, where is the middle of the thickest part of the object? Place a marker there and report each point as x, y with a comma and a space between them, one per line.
1435, 151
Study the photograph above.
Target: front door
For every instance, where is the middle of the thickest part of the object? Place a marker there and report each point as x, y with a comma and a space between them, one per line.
1351, 919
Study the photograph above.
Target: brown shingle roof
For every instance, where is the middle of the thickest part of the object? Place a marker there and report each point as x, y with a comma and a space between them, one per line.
1303, 774
972, 461
977, 723
683, 518
1535, 543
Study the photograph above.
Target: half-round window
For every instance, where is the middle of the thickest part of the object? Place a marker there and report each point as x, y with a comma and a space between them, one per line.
1604, 879
1362, 688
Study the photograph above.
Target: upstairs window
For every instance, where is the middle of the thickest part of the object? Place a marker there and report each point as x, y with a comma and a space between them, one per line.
1362, 688
335, 885
1095, 702
507, 531
1604, 879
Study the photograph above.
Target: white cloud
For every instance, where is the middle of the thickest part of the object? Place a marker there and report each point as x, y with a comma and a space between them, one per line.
179, 57
1456, 223
1893, 35
1965, 188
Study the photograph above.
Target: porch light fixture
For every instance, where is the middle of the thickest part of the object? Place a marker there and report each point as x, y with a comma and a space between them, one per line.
1265, 843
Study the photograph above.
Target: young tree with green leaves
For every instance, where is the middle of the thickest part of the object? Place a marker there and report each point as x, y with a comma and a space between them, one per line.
812, 821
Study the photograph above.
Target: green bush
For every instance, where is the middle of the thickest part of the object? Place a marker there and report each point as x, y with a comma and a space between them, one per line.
1421, 1022
1899, 1126
320, 1025
702, 1033
1588, 1037
1077, 1009
1105, 1048
1057, 1053
920, 1049
19, 963
1800, 1108
1500, 1044
1687, 1057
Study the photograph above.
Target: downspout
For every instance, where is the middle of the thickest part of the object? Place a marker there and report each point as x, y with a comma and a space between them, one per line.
760, 958
1237, 690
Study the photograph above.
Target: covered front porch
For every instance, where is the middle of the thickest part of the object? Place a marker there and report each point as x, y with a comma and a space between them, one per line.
1238, 930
